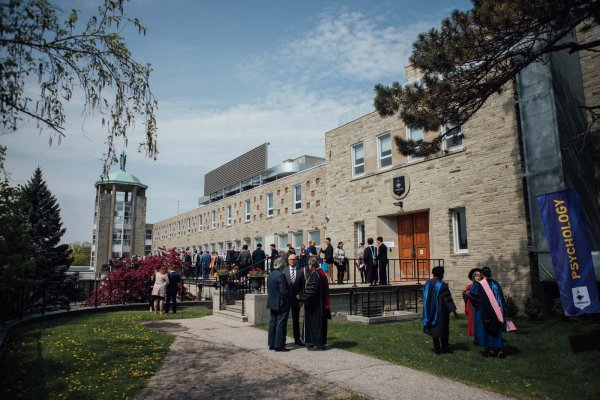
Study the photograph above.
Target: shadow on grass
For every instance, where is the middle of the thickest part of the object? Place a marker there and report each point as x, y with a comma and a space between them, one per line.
344, 345
583, 343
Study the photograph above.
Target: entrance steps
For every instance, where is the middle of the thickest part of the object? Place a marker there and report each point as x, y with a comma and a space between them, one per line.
233, 312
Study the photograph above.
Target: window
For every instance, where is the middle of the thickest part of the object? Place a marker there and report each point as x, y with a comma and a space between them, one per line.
360, 232
358, 159
269, 205
213, 219
248, 242
229, 213
189, 226
170, 234
297, 241
459, 230
418, 135
219, 247
238, 245
200, 223
283, 241
257, 240
384, 151
316, 236
297, 193
247, 210
178, 228
453, 139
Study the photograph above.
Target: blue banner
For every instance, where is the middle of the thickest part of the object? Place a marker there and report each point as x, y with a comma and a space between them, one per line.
570, 251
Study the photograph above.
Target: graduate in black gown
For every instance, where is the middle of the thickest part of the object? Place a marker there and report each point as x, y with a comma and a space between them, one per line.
437, 306
316, 307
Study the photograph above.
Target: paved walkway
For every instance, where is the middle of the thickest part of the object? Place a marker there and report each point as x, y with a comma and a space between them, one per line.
216, 358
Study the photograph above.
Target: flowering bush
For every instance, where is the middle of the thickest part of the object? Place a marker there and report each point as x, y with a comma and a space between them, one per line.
130, 279
257, 273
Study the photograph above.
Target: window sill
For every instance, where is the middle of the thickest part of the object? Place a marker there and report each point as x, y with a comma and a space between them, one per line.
460, 253
296, 211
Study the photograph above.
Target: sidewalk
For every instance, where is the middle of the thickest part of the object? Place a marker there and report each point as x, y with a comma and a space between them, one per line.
342, 371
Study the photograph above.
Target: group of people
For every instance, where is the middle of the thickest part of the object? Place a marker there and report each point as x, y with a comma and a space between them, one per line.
372, 262
288, 290
485, 308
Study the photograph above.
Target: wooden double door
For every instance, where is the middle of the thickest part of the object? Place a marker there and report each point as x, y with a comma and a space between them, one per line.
413, 243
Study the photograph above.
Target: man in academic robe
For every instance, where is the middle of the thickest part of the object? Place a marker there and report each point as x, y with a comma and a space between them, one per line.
278, 303
382, 260
317, 307
296, 281
437, 306
370, 259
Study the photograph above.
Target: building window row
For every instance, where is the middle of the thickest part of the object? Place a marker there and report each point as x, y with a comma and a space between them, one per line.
453, 140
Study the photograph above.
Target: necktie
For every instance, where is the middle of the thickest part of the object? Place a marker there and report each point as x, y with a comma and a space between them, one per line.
373, 254
293, 275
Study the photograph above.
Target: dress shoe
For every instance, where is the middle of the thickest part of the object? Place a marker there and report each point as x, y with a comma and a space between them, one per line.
299, 342
319, 348
271, 347
282, 349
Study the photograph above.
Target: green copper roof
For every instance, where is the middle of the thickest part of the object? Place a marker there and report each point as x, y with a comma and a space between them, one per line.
121, 177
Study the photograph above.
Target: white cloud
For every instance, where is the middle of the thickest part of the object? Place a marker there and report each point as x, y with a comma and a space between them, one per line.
345, 45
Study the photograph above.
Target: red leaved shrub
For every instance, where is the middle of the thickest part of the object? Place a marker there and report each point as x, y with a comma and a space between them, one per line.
130, 279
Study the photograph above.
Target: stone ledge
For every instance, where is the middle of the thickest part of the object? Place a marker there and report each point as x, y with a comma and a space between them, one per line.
390, 317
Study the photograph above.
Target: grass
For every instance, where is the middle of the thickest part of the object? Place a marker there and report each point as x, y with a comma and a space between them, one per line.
540, 361
100, 356
545, 359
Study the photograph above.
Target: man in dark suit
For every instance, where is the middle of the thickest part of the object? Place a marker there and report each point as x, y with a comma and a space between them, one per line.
258, 257
382, 259
370, 258
278, 303
296, 281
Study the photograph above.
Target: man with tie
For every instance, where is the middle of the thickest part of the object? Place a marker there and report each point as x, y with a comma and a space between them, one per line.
296, 282
370, 258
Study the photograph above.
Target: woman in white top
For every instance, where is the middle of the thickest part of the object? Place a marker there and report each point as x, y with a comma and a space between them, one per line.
159, 291
339, 259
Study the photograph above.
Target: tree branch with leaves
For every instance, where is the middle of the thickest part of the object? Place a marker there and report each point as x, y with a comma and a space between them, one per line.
46, 60
474, 54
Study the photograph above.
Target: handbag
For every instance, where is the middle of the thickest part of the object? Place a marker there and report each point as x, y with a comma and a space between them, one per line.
509, 326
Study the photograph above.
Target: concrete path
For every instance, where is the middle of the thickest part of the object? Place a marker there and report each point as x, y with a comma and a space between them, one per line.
335, 372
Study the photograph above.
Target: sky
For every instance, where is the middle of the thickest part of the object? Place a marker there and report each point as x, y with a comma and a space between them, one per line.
228, 76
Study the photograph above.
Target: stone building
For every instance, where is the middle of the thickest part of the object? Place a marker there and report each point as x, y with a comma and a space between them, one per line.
470, 205
119, 218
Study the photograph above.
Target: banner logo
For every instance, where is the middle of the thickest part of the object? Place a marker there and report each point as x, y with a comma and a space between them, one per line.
581, 297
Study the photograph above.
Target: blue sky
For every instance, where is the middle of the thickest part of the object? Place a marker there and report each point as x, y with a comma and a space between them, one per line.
229, 75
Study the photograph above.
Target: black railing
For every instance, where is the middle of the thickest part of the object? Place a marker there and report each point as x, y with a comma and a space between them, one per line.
398, 270
37, 298
234, 285
375, 301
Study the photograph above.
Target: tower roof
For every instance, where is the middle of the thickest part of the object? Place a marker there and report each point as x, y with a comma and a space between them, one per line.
122, 177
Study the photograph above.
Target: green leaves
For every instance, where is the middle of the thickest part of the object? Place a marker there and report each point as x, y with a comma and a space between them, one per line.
34, 40
474, 54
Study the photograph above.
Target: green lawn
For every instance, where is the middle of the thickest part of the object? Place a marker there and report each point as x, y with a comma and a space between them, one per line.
100, 356
540, 361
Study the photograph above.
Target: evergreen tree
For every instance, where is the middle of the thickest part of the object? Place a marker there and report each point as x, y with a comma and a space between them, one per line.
475, 53
45, 228
17, 255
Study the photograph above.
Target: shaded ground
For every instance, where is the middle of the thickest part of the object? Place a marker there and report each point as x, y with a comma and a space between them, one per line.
200, 369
